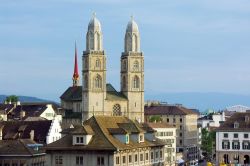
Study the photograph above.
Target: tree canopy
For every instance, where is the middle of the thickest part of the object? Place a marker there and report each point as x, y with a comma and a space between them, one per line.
12, 98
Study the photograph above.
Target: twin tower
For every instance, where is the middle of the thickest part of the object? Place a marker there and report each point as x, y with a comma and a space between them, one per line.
100, 98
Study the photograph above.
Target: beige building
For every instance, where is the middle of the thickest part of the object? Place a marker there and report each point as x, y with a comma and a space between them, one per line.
107, 141
185, 121
232, 140
96, 96
166, 133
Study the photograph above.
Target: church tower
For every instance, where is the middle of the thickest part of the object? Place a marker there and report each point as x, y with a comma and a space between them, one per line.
93, 72
132, 72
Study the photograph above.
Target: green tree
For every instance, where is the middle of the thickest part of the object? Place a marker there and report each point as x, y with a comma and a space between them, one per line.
12, 98
207, 141
155, 118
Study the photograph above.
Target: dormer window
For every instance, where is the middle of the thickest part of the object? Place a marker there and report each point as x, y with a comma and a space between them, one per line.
79, 140
141, 138
127, 138
236, 125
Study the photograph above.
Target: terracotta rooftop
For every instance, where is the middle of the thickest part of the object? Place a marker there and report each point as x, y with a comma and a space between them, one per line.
13, 130
19, 147
167, 110
243, 119
104, 128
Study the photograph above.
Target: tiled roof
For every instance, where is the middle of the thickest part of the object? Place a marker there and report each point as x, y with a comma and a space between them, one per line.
104, 128
75, 94
19, 147
21, 129
244, 125
167, 110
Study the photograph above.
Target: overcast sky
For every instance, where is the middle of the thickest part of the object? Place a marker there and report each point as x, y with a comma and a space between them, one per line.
189, 46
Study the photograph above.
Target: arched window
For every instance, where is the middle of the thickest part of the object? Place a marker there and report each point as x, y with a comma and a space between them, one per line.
117, 110
91, 41
98, 81
135, 43
98, 63
85, 81
124, 65
136, 66
136, 82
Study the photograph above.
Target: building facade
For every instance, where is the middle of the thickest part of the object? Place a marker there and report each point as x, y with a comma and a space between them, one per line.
233, 140
166, 133
185, 121
107, 141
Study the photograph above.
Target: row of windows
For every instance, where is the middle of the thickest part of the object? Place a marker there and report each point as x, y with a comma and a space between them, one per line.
79, 161
130, 159
174, 120
236, 135
169, 133
136, 66
236, 145
98, 82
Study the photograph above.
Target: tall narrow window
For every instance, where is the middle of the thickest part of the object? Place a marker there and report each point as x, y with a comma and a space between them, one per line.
123, 82
98, 82
85, 81
136, 65
136, 82
98, 63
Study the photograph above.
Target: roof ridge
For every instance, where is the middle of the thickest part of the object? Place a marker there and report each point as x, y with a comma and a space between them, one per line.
104, 133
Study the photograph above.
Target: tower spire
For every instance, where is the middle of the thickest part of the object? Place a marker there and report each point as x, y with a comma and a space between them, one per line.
75, 74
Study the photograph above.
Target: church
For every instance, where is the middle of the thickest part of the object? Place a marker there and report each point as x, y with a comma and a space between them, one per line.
96, 96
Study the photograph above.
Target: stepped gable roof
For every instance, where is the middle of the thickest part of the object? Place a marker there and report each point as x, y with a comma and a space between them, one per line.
167, 110
72, 94
159, 125
104, 128
240, 117
6, 108
13, 130
19, 147
75, 94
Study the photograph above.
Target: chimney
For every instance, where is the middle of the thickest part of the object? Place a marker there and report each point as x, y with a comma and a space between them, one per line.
22, 114
32, 134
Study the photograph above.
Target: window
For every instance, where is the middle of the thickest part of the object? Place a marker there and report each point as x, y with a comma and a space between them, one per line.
245, 145
235, 135
245, 135
98, 63
79, 140
160, 154
180, 142
123, 159
136, 66
152, 155
59, 160
235, 145
141, 138
236, 125
127, 139
135, 157
100, 161
124, 65
225, 135
141, 157
123, 82
225, 145
146, 156
130, 158
181, 120
174, 120
180, 134
180, 127
79, 160
136, 82
117, 160
85, 81
167, 120
156, 155
117, 110
98, 82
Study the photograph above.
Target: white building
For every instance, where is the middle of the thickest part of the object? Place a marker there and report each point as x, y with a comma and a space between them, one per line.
167, 133
233, 140
211, 120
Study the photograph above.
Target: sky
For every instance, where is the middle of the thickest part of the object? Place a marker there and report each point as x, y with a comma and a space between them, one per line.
189, 46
